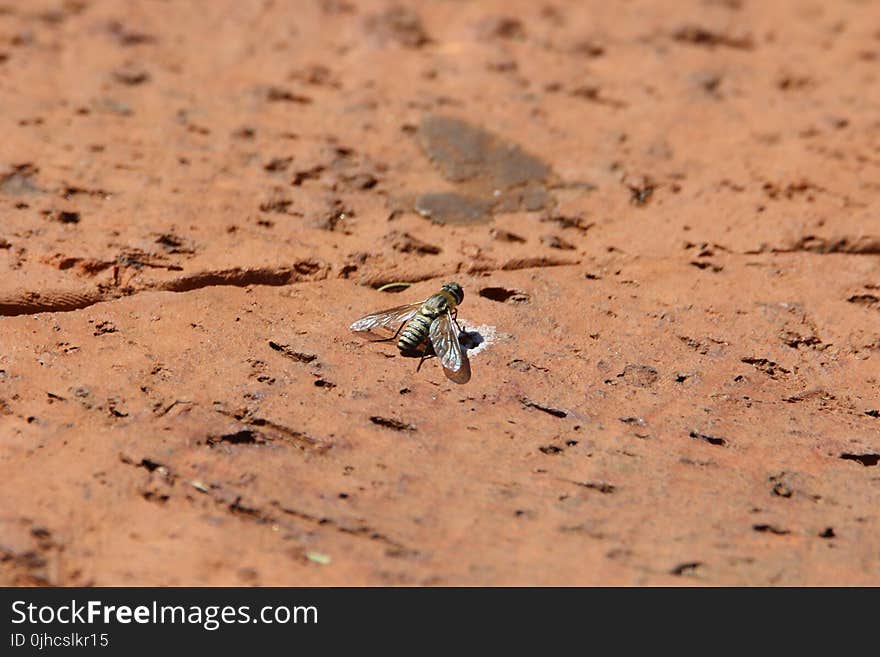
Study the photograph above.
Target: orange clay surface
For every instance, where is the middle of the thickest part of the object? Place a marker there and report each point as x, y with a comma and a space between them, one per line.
664, 216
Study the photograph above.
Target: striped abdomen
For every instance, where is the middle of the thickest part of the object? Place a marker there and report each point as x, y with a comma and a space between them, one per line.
415, 333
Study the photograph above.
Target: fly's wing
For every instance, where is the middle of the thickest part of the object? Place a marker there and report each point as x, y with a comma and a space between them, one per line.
444, 339
387, 318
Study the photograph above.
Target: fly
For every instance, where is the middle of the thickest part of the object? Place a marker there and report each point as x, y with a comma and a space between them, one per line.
431, 322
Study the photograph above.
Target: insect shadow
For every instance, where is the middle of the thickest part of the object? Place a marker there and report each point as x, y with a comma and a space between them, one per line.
468, 340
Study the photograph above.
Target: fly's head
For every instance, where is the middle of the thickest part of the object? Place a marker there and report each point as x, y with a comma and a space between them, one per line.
455, 290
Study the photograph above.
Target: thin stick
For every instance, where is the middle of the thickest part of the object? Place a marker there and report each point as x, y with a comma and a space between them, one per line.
389, 286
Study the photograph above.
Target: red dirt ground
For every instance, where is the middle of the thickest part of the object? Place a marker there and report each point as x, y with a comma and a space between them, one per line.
664, 216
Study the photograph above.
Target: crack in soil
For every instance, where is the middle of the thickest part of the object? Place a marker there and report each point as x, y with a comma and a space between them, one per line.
362, 531
308, 271
234, 504
285, 434
31, 303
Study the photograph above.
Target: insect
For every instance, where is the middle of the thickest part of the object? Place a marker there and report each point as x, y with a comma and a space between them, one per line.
429, 322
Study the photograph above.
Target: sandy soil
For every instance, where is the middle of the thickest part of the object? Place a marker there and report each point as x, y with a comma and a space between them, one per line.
664, 216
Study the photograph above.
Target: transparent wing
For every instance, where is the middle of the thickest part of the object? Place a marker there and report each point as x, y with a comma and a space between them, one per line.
444, 339
387, 318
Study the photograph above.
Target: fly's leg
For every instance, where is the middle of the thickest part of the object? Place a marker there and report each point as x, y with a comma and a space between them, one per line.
422, 360
454, 317
393, 337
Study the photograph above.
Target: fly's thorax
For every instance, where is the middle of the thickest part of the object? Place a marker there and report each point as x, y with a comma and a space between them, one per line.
439, 303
